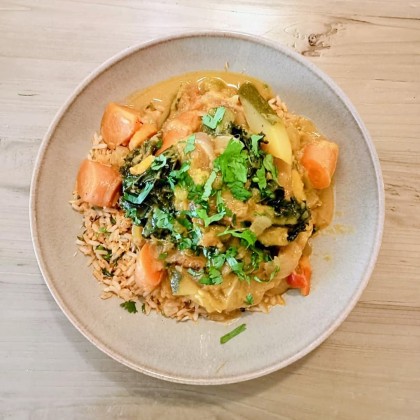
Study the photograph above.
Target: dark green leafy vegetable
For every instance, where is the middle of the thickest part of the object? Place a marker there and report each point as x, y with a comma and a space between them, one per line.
129, 306
148, 199
232, 334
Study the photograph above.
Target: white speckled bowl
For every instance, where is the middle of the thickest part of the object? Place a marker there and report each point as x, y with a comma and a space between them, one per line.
190, 352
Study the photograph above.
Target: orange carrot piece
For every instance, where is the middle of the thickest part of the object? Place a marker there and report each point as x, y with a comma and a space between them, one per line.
149, 271
301, 277
170, 138
181, 126
118, 125
141, 135
320, 159
98, 184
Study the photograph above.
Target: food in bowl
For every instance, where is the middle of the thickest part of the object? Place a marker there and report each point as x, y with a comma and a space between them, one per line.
200, 196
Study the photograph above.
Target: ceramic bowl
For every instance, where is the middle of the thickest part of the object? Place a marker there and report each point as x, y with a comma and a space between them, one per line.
191, 352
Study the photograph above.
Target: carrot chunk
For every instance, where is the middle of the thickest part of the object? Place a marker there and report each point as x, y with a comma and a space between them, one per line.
320, 159
301, 277
118, 125
149, 270
141, 135
178, 128
98, 184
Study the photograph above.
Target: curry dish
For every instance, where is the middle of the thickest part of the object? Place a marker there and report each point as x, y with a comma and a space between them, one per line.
200, 196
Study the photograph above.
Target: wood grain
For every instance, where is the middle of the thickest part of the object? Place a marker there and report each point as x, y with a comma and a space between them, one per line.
370, 367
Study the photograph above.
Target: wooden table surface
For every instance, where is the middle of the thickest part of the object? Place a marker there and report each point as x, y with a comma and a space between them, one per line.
369, 368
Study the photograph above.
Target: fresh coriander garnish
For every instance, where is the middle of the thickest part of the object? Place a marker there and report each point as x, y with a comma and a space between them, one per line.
269, 165
213, 121
208, 186
249, 300
260, 178
214, 277
103, 229
233, 164
232, 334
158, 163
106, 273
202, 214
129, 306
190, 146
247, 235
255, 139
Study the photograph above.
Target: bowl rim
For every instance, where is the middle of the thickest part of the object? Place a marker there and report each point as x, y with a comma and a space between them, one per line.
48, 278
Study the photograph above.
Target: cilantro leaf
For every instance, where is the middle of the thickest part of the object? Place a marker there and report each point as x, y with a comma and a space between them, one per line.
247, 235
268, 163
208, 186
260, 179
158, 163
129, 306
214, 277
255, 139
162, 219
249, 300
190, 146
232, 334
202, 214
213, 121
233, 164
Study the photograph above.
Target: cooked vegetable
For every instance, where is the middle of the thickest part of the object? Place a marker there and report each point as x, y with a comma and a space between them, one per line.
232, 334
262, 119
118, 125
141, 135
220, 210
142, 166
178, 128
149, 269
320, 159
301, 277
98, 184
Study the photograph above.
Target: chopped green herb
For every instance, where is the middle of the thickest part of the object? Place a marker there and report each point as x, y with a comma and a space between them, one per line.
202, 214
103, 229
190, 146
233, 164
255, 139
248, 236
208, 186
106, 273
213, 121
249, 300
232, 334
129, 306
214, 277
269, 165
163, 256
260, 179
158, 163
143, 308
